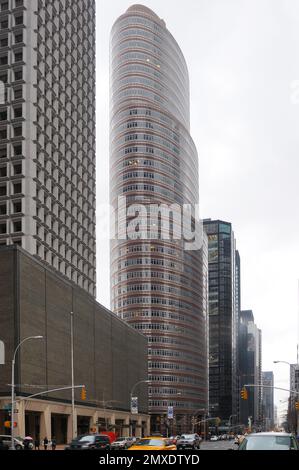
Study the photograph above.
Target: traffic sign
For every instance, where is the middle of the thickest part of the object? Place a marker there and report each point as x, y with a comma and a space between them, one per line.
170, 412
134, 405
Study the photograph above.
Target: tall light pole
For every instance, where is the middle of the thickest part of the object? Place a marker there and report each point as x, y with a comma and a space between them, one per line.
282, 362
131, 396
174, 424
74, 421
229, 422
194, 415
13, 387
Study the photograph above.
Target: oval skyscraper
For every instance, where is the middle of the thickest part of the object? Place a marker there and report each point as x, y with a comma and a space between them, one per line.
157, 285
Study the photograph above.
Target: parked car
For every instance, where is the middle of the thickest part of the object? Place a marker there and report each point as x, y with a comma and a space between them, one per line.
90, 442
269, 441
122, 443
6, 440
214, 438
173, 439
3, 445
153, 443
73, 443
188, 441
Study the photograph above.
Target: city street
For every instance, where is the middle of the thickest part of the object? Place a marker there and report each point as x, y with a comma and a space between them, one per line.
217, 445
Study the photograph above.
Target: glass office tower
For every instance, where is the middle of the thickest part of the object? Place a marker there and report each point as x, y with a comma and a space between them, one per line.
224, 303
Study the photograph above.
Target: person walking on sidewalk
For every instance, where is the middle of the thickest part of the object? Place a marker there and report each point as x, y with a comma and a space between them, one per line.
53, 443
36, 443
46, 442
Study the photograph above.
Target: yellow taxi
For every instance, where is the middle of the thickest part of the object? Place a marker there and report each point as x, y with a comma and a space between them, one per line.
153, 443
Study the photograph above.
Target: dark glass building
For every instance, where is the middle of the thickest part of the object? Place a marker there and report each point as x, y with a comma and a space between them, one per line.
223, 319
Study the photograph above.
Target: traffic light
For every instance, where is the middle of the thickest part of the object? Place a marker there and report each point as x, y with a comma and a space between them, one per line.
7, 424
244, 394
83, 393
297, 405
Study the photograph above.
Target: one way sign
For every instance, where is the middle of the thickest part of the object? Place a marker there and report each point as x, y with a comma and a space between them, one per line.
2, 353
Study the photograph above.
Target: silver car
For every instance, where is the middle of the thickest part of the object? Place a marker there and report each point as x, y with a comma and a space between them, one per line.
7, 442
269, 441
122, 443
188, 441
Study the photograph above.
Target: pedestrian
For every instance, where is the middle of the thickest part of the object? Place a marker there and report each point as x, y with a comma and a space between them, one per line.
46, 442
53, 443
37, 443
26, 443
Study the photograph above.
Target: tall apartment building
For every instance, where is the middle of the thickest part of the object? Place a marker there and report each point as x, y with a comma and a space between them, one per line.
223, 319
156, 285
47, 133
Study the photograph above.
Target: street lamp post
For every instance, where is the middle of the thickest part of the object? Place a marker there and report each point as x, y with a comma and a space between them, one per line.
74, 420
178, 394
131, 396
194, 416
13, 387
205, 420
282, 362
229, 422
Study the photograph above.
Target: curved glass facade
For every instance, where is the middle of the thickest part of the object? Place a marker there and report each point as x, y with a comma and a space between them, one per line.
157, 286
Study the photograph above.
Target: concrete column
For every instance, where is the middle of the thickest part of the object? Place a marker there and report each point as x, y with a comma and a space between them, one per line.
139, 427
20, 419
147, 430
127, 428
112, 420
93, 421
70, 426
45, 424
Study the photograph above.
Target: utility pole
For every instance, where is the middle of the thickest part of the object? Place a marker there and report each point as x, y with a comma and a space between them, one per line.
13, 386
297, 412
74, 420
298, 328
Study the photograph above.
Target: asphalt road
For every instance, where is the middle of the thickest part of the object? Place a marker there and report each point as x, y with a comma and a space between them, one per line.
217, 445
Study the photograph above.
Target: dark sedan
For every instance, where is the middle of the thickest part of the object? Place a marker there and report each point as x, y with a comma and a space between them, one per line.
90, 442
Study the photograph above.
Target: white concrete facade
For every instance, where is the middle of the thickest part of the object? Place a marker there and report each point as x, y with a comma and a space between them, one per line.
45, 410
47, 133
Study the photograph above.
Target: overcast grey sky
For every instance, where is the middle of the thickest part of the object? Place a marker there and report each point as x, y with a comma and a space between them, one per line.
243, 60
